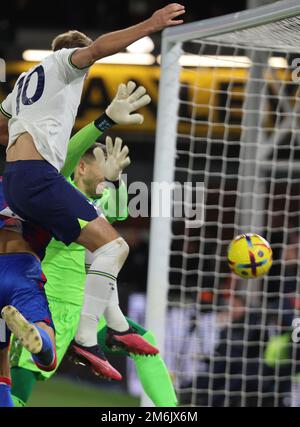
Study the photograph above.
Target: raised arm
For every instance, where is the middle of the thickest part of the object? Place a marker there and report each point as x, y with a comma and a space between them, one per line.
111, 43
78, 145
127, 101
114, 202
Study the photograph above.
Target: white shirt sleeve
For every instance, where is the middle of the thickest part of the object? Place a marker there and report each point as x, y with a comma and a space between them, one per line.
6, 107
69, 71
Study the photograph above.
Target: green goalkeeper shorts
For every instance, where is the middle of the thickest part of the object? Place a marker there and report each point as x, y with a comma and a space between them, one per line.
65, 317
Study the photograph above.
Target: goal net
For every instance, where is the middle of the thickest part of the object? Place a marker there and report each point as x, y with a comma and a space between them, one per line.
229, 137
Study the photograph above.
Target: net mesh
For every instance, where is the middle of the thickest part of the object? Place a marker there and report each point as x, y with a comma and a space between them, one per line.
229, 341
280, 35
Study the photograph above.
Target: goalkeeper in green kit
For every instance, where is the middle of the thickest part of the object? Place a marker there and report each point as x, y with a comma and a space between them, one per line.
64, 268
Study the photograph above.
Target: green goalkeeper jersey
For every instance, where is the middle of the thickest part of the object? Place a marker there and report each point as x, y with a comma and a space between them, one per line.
64, 266
67, 283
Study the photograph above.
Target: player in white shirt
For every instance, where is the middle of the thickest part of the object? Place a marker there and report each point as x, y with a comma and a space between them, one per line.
52, 91
41, 110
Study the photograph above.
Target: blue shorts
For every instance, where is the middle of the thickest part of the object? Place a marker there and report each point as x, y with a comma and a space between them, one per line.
22, 286
35, 191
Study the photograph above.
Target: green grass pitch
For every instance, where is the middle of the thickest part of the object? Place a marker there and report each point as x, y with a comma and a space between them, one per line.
64, 393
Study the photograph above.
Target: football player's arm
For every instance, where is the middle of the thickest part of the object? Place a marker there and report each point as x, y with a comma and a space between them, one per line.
114, 202
127, 101
78, 145
111, 43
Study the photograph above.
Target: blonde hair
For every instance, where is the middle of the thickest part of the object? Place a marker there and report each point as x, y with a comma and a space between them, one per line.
89, 154
70, 39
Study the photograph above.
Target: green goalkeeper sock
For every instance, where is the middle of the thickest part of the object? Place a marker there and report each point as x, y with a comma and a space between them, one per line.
23, 382
154, 377
18, 403
152, 371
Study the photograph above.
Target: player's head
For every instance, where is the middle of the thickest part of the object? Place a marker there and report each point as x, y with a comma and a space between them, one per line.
70, 39
88, 176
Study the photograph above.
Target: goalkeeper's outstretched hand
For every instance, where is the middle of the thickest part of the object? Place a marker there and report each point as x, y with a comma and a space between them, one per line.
116, 160
128, 100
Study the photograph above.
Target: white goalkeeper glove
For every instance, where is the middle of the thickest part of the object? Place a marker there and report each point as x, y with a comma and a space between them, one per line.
127, 100
116, 160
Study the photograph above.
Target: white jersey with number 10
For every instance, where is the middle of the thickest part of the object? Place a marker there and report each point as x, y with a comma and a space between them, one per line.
44, 103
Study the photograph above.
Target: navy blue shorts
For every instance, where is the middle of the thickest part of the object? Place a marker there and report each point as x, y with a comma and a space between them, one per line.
22, 285
35, 191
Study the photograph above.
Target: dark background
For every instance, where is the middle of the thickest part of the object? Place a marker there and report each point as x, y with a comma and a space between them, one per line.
97, 15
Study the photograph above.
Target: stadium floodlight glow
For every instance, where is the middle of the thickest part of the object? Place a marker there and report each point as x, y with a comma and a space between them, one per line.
278, 62
214, 61
222, 61
144, 45
129, 59
225, 61
33, 55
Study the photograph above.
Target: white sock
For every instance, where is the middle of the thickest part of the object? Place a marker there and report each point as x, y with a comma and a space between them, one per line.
114, 317
100, 285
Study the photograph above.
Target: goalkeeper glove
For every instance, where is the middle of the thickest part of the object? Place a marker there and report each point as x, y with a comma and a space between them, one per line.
127, 100
116, 160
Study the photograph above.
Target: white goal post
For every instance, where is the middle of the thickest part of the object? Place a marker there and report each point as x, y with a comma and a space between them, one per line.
229, 117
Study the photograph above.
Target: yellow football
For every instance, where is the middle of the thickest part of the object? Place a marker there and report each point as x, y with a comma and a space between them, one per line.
250, 256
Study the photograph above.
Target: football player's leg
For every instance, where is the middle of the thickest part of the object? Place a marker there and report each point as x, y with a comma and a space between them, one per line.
126, 344
28, 315
119, 334
24, 372
60, 208
152, 371
36, 337
130, 340
23, 382
154, 376
110, 252
5, 379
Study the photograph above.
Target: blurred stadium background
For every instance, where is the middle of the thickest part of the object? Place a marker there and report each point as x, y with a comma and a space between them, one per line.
26, 25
